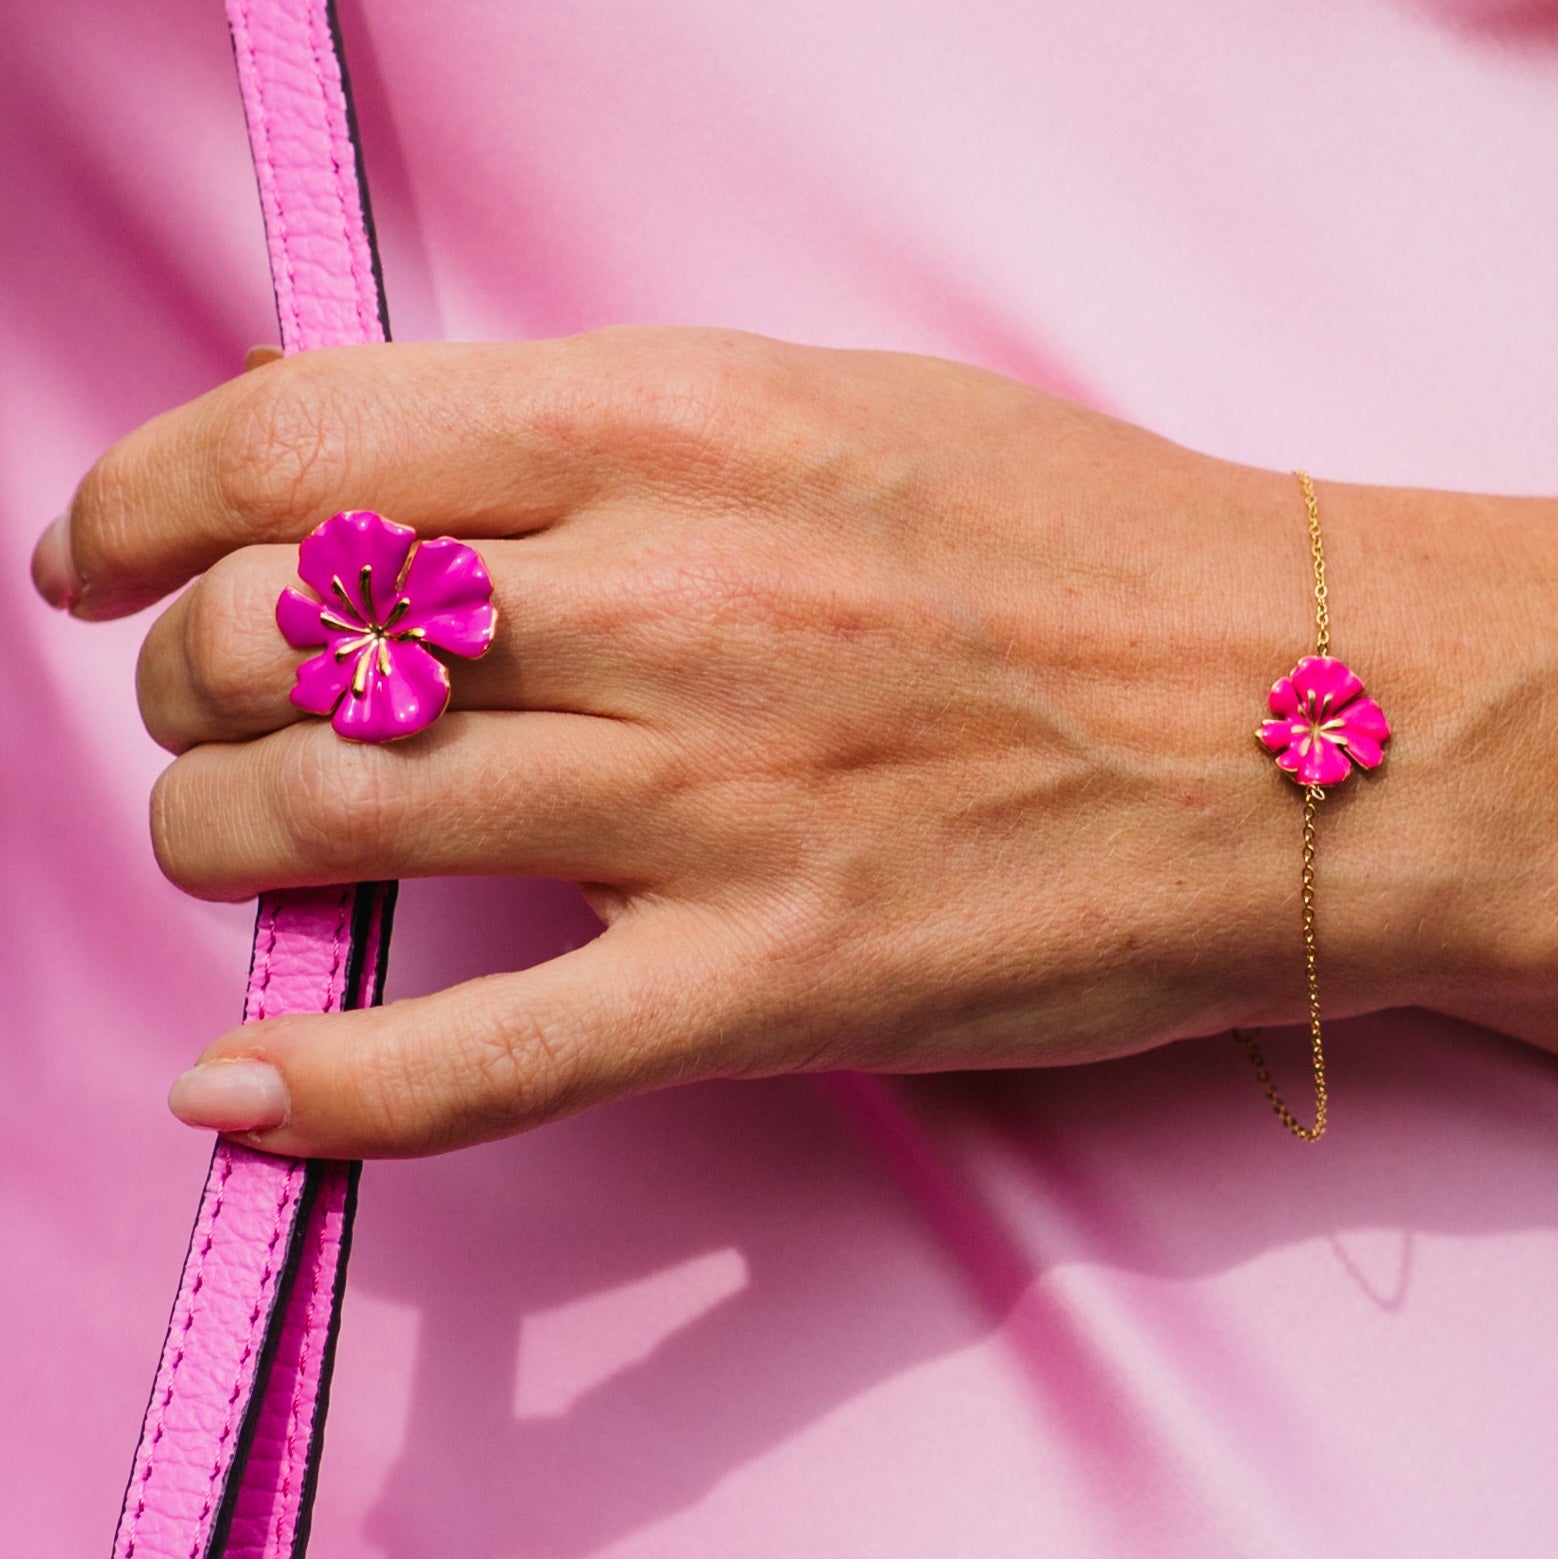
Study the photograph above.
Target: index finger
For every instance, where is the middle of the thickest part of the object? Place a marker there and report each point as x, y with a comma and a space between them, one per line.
476, 440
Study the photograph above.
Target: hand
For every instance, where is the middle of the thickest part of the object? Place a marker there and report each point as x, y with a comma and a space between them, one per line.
892, 714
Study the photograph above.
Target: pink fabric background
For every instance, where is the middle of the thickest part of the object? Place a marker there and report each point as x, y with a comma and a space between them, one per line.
1104, 1312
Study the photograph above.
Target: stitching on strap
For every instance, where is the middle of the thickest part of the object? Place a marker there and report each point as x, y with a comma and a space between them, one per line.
178, 1359
322, 80
264, 156
272, 916
248, 1351
333, 993
196, 1285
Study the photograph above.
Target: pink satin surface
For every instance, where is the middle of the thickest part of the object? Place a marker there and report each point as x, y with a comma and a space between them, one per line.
1111, 1311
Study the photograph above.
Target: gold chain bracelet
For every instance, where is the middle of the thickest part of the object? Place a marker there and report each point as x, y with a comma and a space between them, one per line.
1321, 725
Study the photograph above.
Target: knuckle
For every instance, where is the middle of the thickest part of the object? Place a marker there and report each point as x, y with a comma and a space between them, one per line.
518, 1069
396, 1092
709, 593
340, 802
674, 398
679, 406
229, 667
513, 1068
156, 700
279, 447
499, 1074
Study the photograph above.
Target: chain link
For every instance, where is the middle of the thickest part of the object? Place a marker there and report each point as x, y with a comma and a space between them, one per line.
1322, 609
1313, 796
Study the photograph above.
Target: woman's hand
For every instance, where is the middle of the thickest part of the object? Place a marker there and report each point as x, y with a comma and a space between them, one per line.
892, 714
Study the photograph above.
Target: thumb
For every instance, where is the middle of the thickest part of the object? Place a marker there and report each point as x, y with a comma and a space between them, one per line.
478, 1061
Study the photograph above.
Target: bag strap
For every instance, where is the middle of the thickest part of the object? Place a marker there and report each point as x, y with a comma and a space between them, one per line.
230, 1444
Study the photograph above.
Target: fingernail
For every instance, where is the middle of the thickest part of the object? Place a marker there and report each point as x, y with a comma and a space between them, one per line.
53, 568
230, 1096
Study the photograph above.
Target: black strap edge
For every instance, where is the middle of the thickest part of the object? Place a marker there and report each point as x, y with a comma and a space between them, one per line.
316, 1442
281, 1293
338, 45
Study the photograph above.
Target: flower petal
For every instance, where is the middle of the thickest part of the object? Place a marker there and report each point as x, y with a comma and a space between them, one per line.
449, 598
1322, 763
343, 546
1361, 748
1283, 699
1324, 677
1363, 717
298, 618
320, 683
408, 700
1279, 735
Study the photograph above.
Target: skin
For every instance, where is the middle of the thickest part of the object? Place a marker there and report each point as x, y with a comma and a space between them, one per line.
892, 714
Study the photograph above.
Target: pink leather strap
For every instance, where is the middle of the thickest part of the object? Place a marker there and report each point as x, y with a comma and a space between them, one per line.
230, 1443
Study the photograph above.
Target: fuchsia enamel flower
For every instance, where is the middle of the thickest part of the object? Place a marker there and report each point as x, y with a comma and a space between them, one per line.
1323, 723
386, 602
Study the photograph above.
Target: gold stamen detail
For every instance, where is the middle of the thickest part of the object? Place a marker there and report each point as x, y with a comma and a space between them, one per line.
343, 651
360, 674
346, 600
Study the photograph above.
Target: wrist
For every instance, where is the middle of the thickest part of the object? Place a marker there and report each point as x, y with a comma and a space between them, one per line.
1438, 873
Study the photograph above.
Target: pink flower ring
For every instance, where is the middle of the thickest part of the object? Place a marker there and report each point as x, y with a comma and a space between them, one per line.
386, 602
1323, 723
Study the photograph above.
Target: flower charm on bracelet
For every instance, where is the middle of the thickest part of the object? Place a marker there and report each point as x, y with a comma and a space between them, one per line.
1323, 723
387, 601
